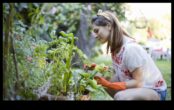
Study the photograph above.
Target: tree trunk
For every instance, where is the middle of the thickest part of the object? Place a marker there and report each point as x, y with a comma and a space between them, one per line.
16, 67
85, 43
6, 46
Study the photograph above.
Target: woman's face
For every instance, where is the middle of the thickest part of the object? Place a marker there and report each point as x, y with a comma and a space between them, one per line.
102, 33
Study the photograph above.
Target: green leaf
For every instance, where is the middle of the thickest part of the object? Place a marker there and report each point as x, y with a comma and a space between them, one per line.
41, 20
93, 83
91, 89
85, 75
100, 94
63, 34
70, 35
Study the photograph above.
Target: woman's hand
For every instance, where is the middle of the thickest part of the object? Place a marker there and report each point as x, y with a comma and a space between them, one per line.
114, 85
101, 81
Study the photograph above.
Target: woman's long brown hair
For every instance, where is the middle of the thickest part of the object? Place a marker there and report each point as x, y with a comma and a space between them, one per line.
115, 40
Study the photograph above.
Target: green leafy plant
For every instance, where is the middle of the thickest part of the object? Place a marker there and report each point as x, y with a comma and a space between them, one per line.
86, 84
61, 57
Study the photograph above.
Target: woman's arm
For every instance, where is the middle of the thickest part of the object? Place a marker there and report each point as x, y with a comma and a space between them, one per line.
134, 83
137, 79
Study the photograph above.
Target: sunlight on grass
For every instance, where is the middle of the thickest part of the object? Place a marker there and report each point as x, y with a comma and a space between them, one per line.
165, 68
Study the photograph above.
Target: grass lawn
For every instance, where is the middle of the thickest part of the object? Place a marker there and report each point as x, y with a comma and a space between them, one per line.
165, 68
163, 65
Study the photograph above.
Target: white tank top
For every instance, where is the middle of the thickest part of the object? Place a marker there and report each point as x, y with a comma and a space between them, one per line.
131, 56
